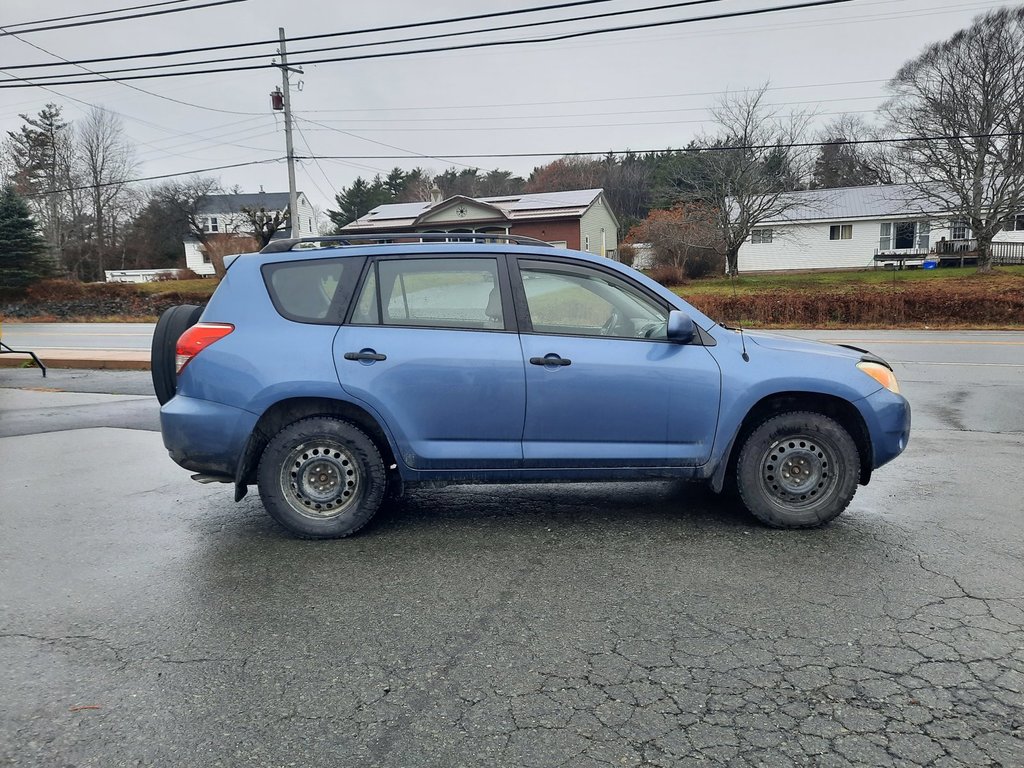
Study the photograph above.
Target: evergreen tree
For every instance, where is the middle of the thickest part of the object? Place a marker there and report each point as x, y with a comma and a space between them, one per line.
22, 250
41, 159
358, 200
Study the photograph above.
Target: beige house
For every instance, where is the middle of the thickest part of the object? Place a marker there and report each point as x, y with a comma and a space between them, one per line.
577, 219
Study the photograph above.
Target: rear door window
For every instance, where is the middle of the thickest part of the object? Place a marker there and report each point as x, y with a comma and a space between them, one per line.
314, 290
433, 293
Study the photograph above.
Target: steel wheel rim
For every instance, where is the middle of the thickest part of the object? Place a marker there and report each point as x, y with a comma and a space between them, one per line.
799, 471
320, 479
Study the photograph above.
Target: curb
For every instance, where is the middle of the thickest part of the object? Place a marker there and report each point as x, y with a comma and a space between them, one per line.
85, 363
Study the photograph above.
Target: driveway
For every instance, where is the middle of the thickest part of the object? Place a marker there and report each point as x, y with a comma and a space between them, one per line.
148, 620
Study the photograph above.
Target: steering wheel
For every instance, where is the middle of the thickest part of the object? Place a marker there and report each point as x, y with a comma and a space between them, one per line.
612, 323
652, 331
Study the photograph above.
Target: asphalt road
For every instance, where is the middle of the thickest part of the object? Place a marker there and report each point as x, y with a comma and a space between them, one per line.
148, 620
82, 336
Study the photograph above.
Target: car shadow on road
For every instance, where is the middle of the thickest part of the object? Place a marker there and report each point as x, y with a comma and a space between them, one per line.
567, 505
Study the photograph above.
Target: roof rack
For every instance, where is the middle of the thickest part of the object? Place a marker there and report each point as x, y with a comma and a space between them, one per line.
384, 238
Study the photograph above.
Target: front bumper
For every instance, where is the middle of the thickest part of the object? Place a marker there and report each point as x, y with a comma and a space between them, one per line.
887, 416
204, 436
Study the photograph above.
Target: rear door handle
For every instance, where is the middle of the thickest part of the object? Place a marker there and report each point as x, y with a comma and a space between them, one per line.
365, 355
550, 359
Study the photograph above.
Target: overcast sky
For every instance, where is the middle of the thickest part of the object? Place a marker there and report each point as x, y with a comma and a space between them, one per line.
637, 90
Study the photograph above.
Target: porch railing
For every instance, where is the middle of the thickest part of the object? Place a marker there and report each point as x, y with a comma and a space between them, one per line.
950, 247
1007, 254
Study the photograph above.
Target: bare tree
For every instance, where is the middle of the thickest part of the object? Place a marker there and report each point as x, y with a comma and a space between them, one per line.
107, 162
963, 98
183, 201
749, 167
263, 224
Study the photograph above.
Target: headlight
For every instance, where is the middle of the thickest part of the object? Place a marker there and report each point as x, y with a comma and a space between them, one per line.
881, 374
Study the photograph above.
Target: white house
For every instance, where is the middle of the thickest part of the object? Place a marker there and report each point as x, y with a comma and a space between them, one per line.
222, 214
580, 219
848, 227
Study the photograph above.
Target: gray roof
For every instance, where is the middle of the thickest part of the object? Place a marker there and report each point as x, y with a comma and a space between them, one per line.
874, 202
271, 201
574, 202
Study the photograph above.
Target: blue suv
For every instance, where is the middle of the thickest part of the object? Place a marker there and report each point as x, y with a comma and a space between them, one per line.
332, 373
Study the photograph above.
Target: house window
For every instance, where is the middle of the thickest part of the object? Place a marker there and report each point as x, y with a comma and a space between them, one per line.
586, 243
960, 229
759, 236
904, 235
214, 224
840, 232
924, 229
1016, 222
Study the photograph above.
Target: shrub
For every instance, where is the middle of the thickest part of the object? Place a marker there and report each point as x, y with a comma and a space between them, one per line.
667, 274
684, 238
55, 290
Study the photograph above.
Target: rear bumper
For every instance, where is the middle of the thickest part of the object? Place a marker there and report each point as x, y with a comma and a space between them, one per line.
204, 436
887, 416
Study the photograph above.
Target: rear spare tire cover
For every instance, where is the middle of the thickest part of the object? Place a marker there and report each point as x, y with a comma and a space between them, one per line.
172, 323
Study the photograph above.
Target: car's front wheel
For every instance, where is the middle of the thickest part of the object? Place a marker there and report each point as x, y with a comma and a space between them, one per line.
321, 478
797, 470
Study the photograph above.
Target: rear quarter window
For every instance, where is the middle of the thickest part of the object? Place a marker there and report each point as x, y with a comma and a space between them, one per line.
314, 290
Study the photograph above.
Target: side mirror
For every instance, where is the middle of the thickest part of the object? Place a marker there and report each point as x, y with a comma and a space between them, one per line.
680, 327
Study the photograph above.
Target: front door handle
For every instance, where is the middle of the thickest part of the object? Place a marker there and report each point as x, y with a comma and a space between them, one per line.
550, 359
365, 355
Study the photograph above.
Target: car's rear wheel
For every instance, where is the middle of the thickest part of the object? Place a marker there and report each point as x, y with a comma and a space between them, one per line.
321, 478
172, 323
797, 470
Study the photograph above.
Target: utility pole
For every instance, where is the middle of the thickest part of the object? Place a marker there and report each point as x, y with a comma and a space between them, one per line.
293, 195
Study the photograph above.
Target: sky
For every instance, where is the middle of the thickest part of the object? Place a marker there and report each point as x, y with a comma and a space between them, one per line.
638, 89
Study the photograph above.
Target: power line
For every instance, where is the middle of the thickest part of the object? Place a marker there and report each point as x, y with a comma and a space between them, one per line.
124, 18
96, 13
368, 30
34, 79
736, 148
591, 101
143, 122
549, 116
418, 39
490, 44
156, 177
317, 162
421, 129
903, 139
379, 143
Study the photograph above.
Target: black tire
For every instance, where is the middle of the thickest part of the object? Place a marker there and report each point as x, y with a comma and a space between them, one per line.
797, 470
172, 323
321, 478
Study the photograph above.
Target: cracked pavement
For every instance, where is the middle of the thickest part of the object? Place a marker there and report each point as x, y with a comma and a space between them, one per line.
147, 620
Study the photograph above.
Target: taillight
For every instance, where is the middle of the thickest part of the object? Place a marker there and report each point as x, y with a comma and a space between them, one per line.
196, 339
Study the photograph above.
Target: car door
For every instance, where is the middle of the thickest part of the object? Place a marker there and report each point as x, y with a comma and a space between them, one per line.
604, 387
430, 345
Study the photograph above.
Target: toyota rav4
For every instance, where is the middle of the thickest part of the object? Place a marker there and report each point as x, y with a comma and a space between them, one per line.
333, 372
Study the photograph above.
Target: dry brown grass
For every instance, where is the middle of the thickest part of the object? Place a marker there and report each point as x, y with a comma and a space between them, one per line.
995, 300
